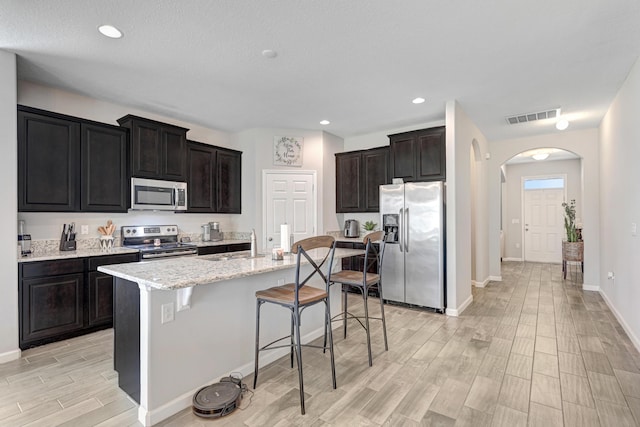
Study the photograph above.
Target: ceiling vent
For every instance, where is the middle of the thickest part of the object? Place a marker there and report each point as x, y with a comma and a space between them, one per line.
532, 117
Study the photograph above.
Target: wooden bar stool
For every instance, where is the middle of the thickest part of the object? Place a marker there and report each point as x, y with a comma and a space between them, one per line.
296, 297
364, 281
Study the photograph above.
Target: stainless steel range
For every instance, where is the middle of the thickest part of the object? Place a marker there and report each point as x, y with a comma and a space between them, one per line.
156, 241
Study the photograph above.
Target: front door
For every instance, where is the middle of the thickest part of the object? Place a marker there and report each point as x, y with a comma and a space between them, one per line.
543, 225
289, 198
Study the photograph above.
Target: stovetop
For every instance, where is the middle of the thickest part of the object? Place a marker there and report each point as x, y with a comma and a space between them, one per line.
156, 240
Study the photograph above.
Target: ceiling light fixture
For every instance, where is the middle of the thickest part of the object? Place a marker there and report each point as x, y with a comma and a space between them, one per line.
268, 53
540, 156
110, 31
562, 124
324, 122
418, 100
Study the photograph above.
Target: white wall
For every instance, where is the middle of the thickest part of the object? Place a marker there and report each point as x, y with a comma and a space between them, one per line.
332, 144
512, 197
318, 151
583, 143
48, 225
461, 134
9, 178
620, 204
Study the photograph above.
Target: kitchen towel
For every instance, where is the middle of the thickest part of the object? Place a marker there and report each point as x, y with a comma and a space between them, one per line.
284, 238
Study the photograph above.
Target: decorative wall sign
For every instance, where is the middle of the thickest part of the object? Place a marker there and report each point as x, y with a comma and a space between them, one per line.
287, 150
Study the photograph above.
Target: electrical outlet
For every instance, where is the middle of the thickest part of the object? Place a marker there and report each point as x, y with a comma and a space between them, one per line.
168, 314
634, 229
611, 275
280, 282
84, 229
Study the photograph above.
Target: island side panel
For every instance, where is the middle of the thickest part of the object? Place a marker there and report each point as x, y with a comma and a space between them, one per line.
216, 336
126, 325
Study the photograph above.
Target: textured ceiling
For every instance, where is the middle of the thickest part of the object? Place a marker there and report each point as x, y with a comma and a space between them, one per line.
358, 63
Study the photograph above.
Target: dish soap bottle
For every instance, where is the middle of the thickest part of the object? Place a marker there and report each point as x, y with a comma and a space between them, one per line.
254, 250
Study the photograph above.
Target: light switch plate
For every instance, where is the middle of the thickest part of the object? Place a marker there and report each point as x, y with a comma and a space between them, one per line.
634, 229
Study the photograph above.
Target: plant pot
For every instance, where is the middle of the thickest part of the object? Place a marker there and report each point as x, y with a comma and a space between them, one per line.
573, 251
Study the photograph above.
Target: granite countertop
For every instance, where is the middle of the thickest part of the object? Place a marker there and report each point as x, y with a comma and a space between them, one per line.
219, 242
183, 272
78, 253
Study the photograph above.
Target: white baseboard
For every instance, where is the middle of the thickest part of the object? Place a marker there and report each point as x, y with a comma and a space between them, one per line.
480, 284
512, 259
10, 355
457, 312
590, 288
495, 278
149, 418
624, 324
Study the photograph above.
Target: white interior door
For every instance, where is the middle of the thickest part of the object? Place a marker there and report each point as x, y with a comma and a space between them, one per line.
289, 197
543, 225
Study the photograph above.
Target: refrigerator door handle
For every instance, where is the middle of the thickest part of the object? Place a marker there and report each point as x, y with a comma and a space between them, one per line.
406, 228
401, 230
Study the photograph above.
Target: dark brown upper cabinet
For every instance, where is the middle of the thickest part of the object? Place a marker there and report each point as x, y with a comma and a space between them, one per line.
158, 150
68, 164
419, 155
48, 160
213, 178
228, 173
104, 181
359, 175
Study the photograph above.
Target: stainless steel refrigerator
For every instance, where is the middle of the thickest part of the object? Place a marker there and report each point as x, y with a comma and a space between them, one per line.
412, 214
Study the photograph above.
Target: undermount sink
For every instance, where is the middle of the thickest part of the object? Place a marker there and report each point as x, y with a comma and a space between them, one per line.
230, 257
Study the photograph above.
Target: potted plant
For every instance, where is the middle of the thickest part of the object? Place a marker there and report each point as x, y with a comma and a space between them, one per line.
369, 226
572, 246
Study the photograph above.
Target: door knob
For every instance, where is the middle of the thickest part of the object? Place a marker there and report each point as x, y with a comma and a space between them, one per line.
526, 229
270, 238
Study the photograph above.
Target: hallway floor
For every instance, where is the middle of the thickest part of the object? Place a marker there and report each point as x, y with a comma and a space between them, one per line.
530, 350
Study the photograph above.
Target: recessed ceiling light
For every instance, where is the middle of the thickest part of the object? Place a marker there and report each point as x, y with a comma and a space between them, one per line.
418, 100
268, 53
562, 124
540, 156
324, 122
110, 31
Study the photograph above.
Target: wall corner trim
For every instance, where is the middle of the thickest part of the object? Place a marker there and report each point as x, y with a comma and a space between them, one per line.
457, 312
634, 339
482, 284
10, 356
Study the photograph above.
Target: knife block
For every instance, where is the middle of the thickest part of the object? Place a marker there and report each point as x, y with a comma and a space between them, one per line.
67, 245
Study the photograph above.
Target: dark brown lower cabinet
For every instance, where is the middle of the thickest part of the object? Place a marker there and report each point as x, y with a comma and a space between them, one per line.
60, 299
51, 306
100, 299
220, 249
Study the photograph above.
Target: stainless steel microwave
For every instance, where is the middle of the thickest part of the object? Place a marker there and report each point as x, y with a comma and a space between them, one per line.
153, 194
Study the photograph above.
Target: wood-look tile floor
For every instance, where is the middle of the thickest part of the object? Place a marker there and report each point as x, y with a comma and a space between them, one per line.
531, 350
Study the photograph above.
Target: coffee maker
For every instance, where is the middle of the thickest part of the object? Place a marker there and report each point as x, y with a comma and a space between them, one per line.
351, 228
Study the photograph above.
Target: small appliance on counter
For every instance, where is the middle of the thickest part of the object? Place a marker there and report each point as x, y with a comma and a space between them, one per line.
68, 237
216, 234
206, 232
351, 228
24, 240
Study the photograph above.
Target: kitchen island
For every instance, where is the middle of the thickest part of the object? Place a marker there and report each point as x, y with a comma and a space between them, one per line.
162, 364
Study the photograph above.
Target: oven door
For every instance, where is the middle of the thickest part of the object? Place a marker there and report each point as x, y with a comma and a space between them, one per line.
152, 194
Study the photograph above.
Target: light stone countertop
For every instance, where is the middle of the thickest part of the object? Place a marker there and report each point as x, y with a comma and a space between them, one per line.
183, 272
78, 253
219, 242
